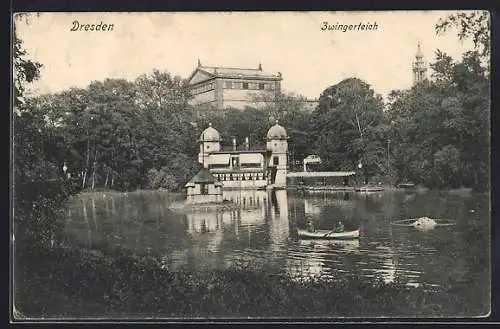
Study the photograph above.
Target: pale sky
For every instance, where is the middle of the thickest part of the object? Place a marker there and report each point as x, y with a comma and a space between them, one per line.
292, 43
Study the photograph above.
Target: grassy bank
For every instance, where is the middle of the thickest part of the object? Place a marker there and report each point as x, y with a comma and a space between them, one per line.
59, 282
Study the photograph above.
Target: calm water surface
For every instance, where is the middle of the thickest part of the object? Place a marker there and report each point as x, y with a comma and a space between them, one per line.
262, 232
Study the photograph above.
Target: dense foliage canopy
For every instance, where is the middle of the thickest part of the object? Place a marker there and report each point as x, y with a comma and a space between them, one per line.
142, 134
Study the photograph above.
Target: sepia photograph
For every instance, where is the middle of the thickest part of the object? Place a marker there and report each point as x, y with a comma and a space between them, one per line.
250, 165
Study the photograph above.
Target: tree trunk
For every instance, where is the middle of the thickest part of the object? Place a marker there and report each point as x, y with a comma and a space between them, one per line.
84, 178
359, 126
107, 176
88, 160
93, 171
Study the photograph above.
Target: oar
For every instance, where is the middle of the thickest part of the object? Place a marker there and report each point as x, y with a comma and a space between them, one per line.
324, 236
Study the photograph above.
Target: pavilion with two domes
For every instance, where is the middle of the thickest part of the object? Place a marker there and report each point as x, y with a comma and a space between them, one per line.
242, 168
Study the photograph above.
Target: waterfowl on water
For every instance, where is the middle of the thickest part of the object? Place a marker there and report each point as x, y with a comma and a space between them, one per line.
424, 223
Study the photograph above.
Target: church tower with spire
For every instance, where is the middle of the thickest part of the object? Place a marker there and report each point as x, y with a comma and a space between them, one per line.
419, 67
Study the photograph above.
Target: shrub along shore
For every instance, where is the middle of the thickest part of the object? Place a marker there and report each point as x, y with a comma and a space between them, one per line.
80, 283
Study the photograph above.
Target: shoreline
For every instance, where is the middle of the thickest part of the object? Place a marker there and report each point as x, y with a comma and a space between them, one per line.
460, 190
121, 285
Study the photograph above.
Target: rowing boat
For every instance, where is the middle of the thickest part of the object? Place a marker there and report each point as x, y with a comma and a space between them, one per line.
326, 234
369, 189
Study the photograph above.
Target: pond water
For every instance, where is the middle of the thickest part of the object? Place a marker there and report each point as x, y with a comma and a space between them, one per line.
263, 232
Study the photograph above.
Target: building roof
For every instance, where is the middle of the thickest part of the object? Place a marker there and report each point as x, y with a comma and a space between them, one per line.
210, 134
276, 132
239, 151
235, 72
203, 176
229, 72
321, 174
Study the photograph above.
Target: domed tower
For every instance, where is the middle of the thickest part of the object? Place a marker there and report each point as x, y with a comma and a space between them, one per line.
209, 142
277, 144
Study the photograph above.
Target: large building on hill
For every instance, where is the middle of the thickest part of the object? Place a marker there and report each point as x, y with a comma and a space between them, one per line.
218, 88
243, 167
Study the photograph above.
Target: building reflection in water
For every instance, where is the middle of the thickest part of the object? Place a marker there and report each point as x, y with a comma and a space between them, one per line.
323, 258
310, 208
258, 226
251, 211
262, 230
386, 267
278, 226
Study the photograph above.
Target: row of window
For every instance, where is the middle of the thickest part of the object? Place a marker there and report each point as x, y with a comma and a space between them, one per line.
203, 88
242, 177
233, 85
248, 85
235, 166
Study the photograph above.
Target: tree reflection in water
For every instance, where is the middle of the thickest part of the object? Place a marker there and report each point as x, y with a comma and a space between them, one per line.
263, 231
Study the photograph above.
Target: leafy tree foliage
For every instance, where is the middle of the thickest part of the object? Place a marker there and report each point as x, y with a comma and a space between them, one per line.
161, 179
25, 70
127, 134
239, 124
350, 128
474, 24
441, 127
279, 105
112, 133
29, 139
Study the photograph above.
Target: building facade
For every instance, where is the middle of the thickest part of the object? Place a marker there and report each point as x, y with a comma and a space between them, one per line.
203, 188
218, 88
310, 105
246, 168
419, 67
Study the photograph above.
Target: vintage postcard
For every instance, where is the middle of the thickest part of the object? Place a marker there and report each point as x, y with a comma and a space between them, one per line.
251, 165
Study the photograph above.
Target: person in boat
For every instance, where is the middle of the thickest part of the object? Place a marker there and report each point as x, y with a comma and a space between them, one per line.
310, 226
339, 227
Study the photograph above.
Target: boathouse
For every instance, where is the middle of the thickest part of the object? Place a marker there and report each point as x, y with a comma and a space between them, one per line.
203, 188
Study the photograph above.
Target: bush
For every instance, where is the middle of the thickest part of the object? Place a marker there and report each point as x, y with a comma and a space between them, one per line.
66, 282
162, 179
37, 206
